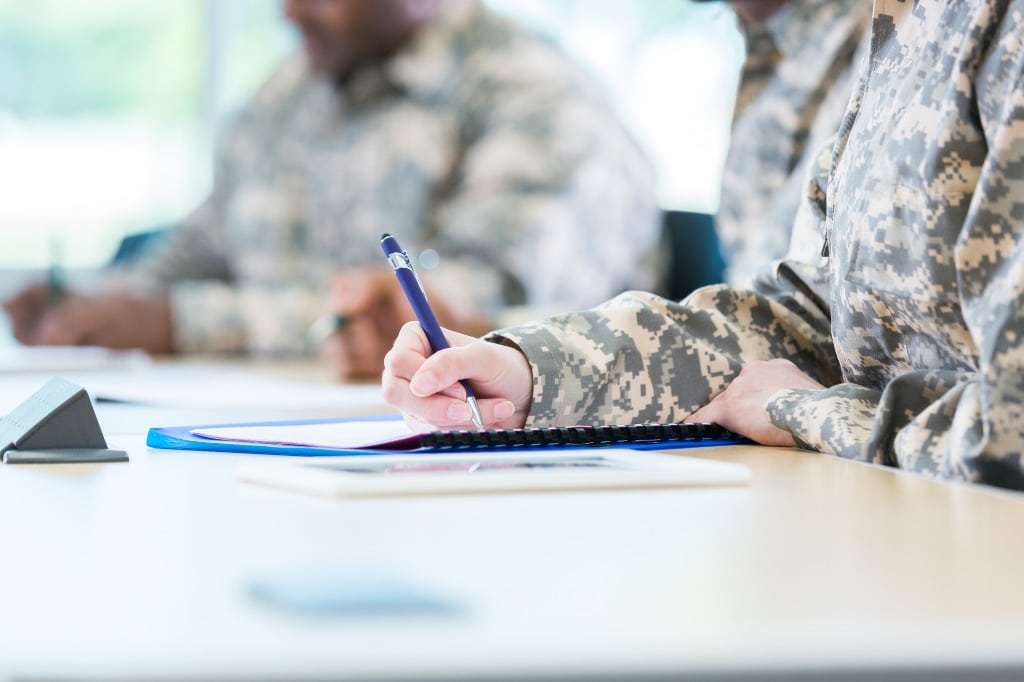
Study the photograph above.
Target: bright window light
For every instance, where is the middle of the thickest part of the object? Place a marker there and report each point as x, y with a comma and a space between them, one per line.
108, 108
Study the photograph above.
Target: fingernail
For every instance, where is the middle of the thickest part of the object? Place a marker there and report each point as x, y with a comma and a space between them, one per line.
504, 410
424, 383
459, 412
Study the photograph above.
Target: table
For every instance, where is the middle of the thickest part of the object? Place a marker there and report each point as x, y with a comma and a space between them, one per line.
143, 570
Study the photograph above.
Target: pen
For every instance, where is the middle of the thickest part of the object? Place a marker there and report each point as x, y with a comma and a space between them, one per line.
413, 289
55, 286
325, 325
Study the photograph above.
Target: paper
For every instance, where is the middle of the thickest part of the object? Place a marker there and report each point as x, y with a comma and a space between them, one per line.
342, 435
214, 387
63, 359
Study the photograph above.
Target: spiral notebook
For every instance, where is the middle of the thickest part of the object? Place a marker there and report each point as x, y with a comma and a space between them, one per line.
389, 434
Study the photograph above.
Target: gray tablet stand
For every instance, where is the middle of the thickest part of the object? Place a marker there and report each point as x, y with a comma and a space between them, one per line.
55, 424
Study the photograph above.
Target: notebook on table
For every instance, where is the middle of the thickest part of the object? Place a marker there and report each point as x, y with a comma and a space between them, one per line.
389, 434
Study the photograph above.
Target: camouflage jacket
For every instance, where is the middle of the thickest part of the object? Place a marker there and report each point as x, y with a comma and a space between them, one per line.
480, 146
919, 337
796, 83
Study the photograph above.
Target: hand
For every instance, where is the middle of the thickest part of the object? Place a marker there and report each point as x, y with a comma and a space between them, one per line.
426, 387
26, 308
740, 407
374, 306
111, 321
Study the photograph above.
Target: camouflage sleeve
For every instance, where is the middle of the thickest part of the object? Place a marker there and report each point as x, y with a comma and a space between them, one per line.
192, 249
641, 358
211, 313
549, 173
963, 425
211, 316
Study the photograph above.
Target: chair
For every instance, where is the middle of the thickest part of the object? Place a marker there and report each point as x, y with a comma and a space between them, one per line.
694, 256
135, 244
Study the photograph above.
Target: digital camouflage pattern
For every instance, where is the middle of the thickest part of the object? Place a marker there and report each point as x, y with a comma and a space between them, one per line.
479, 141
796, 81
920, 337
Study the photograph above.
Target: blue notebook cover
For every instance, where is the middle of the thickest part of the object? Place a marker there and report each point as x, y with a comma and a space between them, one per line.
182, 438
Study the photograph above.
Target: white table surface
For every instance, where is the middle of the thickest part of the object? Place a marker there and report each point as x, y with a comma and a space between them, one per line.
143, 570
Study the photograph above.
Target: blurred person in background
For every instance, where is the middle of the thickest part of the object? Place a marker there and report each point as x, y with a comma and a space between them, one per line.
478, 144
797, 78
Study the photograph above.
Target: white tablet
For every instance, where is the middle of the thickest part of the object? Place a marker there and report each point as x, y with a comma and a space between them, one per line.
489, 471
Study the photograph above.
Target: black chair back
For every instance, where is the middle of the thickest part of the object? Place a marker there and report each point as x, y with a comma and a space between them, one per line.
694, 256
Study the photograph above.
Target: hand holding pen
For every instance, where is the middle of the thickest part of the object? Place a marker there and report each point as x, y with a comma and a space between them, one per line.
422, 370
367, 308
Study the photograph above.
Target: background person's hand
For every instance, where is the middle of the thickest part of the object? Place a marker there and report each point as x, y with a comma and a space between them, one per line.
113, 321
741, 406
426, 388
26, 308
374, 307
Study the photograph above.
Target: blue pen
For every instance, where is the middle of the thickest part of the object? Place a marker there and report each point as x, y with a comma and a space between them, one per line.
413, 288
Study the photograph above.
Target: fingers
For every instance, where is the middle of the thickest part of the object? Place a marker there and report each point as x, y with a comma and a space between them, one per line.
25, 309
705, 415
439, 399
359, 348
410, 350
374, 307
741, 406
349, 293
364, 291
446, 368
333, 352
412, 360
444, 411
69, 323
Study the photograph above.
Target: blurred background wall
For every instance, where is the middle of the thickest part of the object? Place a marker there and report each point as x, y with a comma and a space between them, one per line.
109, 108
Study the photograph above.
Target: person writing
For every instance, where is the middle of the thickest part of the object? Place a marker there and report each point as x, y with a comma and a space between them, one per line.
912, 358
439, 121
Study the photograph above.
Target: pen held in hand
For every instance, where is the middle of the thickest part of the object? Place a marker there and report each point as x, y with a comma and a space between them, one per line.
56, 286
326, 325
417, 297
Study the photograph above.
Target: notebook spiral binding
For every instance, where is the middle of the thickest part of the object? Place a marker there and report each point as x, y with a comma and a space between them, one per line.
574, 435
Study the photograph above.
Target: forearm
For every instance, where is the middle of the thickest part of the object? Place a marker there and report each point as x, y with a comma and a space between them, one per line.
643, 358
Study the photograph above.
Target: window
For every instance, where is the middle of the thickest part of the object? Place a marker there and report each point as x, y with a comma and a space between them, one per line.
108, 107
670, 67
107, 111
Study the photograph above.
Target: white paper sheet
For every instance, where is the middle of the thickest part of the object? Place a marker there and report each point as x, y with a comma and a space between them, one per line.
199, 387
63, 359
337, 435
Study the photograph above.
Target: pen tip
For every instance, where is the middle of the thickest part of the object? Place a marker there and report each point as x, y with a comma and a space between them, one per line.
384, 236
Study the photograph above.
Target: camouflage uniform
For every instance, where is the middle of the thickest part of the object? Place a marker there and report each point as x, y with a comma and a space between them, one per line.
479, 142
919, 338
795, 85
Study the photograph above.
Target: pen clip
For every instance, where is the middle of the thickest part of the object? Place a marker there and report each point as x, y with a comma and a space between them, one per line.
400, 259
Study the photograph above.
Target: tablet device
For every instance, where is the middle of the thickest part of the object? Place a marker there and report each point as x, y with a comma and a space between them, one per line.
591, 468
